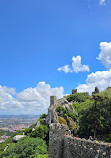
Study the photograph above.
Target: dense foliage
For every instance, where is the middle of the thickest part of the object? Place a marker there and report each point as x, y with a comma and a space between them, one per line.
7, 133
43, 116
28, 147
96, 90
65, 112
78, 97
40, 131
67, 118
93, 113
33, 146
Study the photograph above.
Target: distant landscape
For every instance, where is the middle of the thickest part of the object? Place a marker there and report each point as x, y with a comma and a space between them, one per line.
12, 123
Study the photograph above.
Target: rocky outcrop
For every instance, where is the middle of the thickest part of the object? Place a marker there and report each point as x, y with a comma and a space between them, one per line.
18, 137
52, 116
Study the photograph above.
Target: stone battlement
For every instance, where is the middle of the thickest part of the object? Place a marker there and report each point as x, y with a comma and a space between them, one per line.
56, 137
82, 148
56, 127
63, 146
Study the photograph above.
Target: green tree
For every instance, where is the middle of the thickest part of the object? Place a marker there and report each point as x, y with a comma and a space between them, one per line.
28, 147
96, 90
95, 115
41, 131
43, 116
78, 97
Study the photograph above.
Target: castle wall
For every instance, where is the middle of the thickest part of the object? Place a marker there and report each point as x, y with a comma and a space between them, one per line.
74, 91
56, 140
62, 146
81, 148
52, 100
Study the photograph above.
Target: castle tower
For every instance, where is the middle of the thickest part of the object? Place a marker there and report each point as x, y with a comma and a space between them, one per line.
74, 91
52, 100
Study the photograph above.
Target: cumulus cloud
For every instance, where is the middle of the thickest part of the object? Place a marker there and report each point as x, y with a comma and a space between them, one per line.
102, 2
105, 54
29, 101
65, 68
76, 66
101, 79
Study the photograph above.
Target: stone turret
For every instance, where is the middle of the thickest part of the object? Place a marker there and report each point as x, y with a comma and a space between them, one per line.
52, 115
52, 100
74, 91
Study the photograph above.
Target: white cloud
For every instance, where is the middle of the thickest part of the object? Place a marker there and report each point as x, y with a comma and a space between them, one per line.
76, 66
7, 102
105, 54
65, 68
102, 2
29, 101
101, 79
5, 94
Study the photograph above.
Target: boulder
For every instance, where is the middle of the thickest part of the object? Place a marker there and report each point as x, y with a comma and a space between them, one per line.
18, 137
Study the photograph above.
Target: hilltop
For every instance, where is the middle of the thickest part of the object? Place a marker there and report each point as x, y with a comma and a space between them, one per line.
83, 114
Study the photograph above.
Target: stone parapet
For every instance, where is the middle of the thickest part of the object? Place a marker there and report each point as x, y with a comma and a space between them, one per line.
56, 140
82, 148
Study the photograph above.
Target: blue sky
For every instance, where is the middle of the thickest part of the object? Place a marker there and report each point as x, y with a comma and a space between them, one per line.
38, 37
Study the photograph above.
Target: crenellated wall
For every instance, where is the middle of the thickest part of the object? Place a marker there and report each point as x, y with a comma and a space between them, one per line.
82, 148
62, 146
56, 137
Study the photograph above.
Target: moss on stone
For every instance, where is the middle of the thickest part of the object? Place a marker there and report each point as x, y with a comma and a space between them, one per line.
72, 124
61, 120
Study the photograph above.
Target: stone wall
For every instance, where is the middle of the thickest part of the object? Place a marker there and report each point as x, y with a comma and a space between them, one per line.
56, 140
52, 100
62, 146
81, 148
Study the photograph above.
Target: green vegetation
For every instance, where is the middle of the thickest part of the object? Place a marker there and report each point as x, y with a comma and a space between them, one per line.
60, 109
43, 116
3, 145
65, 112
67, 117
96, 90
41, 131
61, 120
78, 97
7, 133
35, 145
93, 114
28, 147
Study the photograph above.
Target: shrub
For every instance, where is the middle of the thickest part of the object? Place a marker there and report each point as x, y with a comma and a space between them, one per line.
40, 131
43, 116
28, 147
78, 97
59, 108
